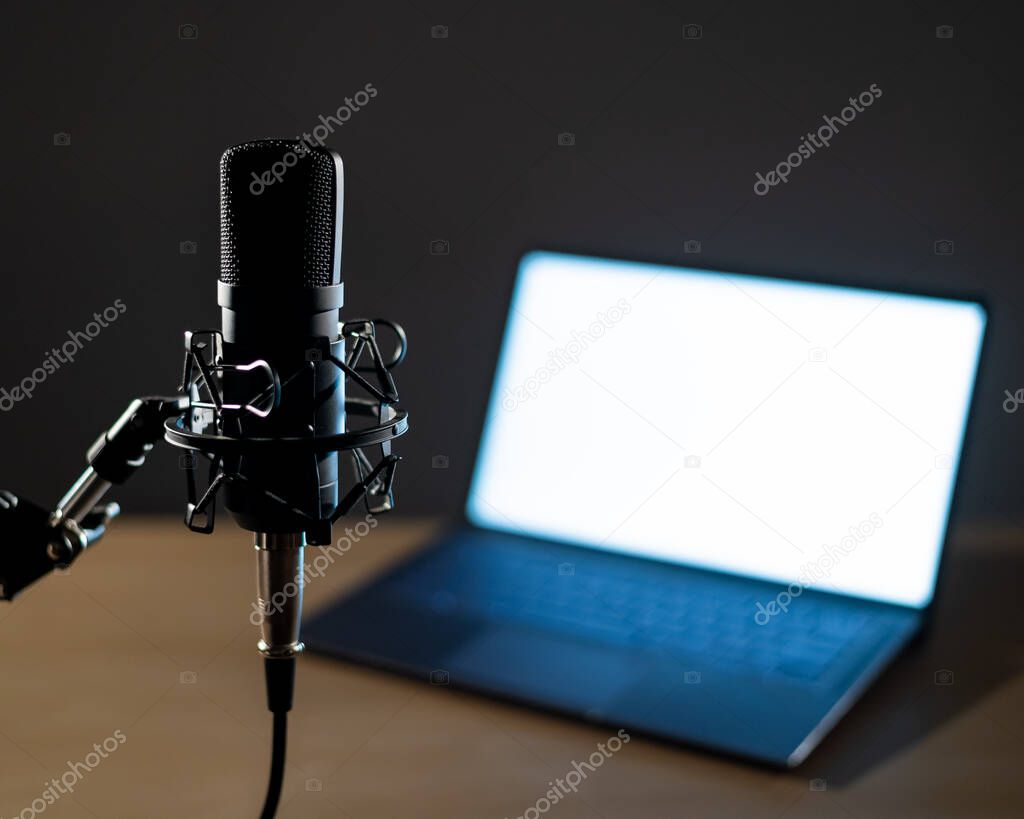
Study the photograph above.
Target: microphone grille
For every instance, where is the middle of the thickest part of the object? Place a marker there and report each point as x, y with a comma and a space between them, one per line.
280, 214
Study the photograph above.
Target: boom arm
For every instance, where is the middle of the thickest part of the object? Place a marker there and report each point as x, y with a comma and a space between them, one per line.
35, 541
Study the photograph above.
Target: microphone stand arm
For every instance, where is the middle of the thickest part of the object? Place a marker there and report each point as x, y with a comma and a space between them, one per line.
34, 541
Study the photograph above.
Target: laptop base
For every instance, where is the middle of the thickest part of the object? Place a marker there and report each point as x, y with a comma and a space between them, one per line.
679, 653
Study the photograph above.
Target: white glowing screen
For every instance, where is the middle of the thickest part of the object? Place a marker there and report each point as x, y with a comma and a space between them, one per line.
802, 433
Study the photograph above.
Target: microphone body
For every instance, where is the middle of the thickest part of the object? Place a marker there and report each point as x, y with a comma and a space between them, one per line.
280, 294
280, 291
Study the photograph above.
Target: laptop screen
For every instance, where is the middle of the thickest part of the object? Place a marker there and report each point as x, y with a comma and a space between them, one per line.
800, 433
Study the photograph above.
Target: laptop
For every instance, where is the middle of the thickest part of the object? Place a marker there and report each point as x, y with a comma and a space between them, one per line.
706, 506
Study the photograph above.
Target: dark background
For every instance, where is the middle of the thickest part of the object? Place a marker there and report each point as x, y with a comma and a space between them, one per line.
461, 144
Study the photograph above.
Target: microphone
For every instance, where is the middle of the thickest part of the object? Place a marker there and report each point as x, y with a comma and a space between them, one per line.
280, 294
267, 402
280, 291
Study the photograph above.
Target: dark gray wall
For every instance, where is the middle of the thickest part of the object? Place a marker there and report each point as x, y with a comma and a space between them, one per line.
461, 144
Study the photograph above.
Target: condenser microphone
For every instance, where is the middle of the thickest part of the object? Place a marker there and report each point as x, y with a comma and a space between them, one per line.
280, 294
280, 291
268, 404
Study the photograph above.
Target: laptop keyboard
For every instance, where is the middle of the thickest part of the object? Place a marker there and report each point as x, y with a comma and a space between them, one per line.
695, 617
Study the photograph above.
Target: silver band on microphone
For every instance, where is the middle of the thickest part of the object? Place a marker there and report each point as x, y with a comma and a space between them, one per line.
279, 581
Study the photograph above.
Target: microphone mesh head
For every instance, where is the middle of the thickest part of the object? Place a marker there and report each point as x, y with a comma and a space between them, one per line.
280, 215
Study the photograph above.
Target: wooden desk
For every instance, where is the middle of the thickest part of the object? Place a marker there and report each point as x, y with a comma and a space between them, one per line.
149, 635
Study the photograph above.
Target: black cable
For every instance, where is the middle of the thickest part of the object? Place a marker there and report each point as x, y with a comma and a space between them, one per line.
280, 742
280, 676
